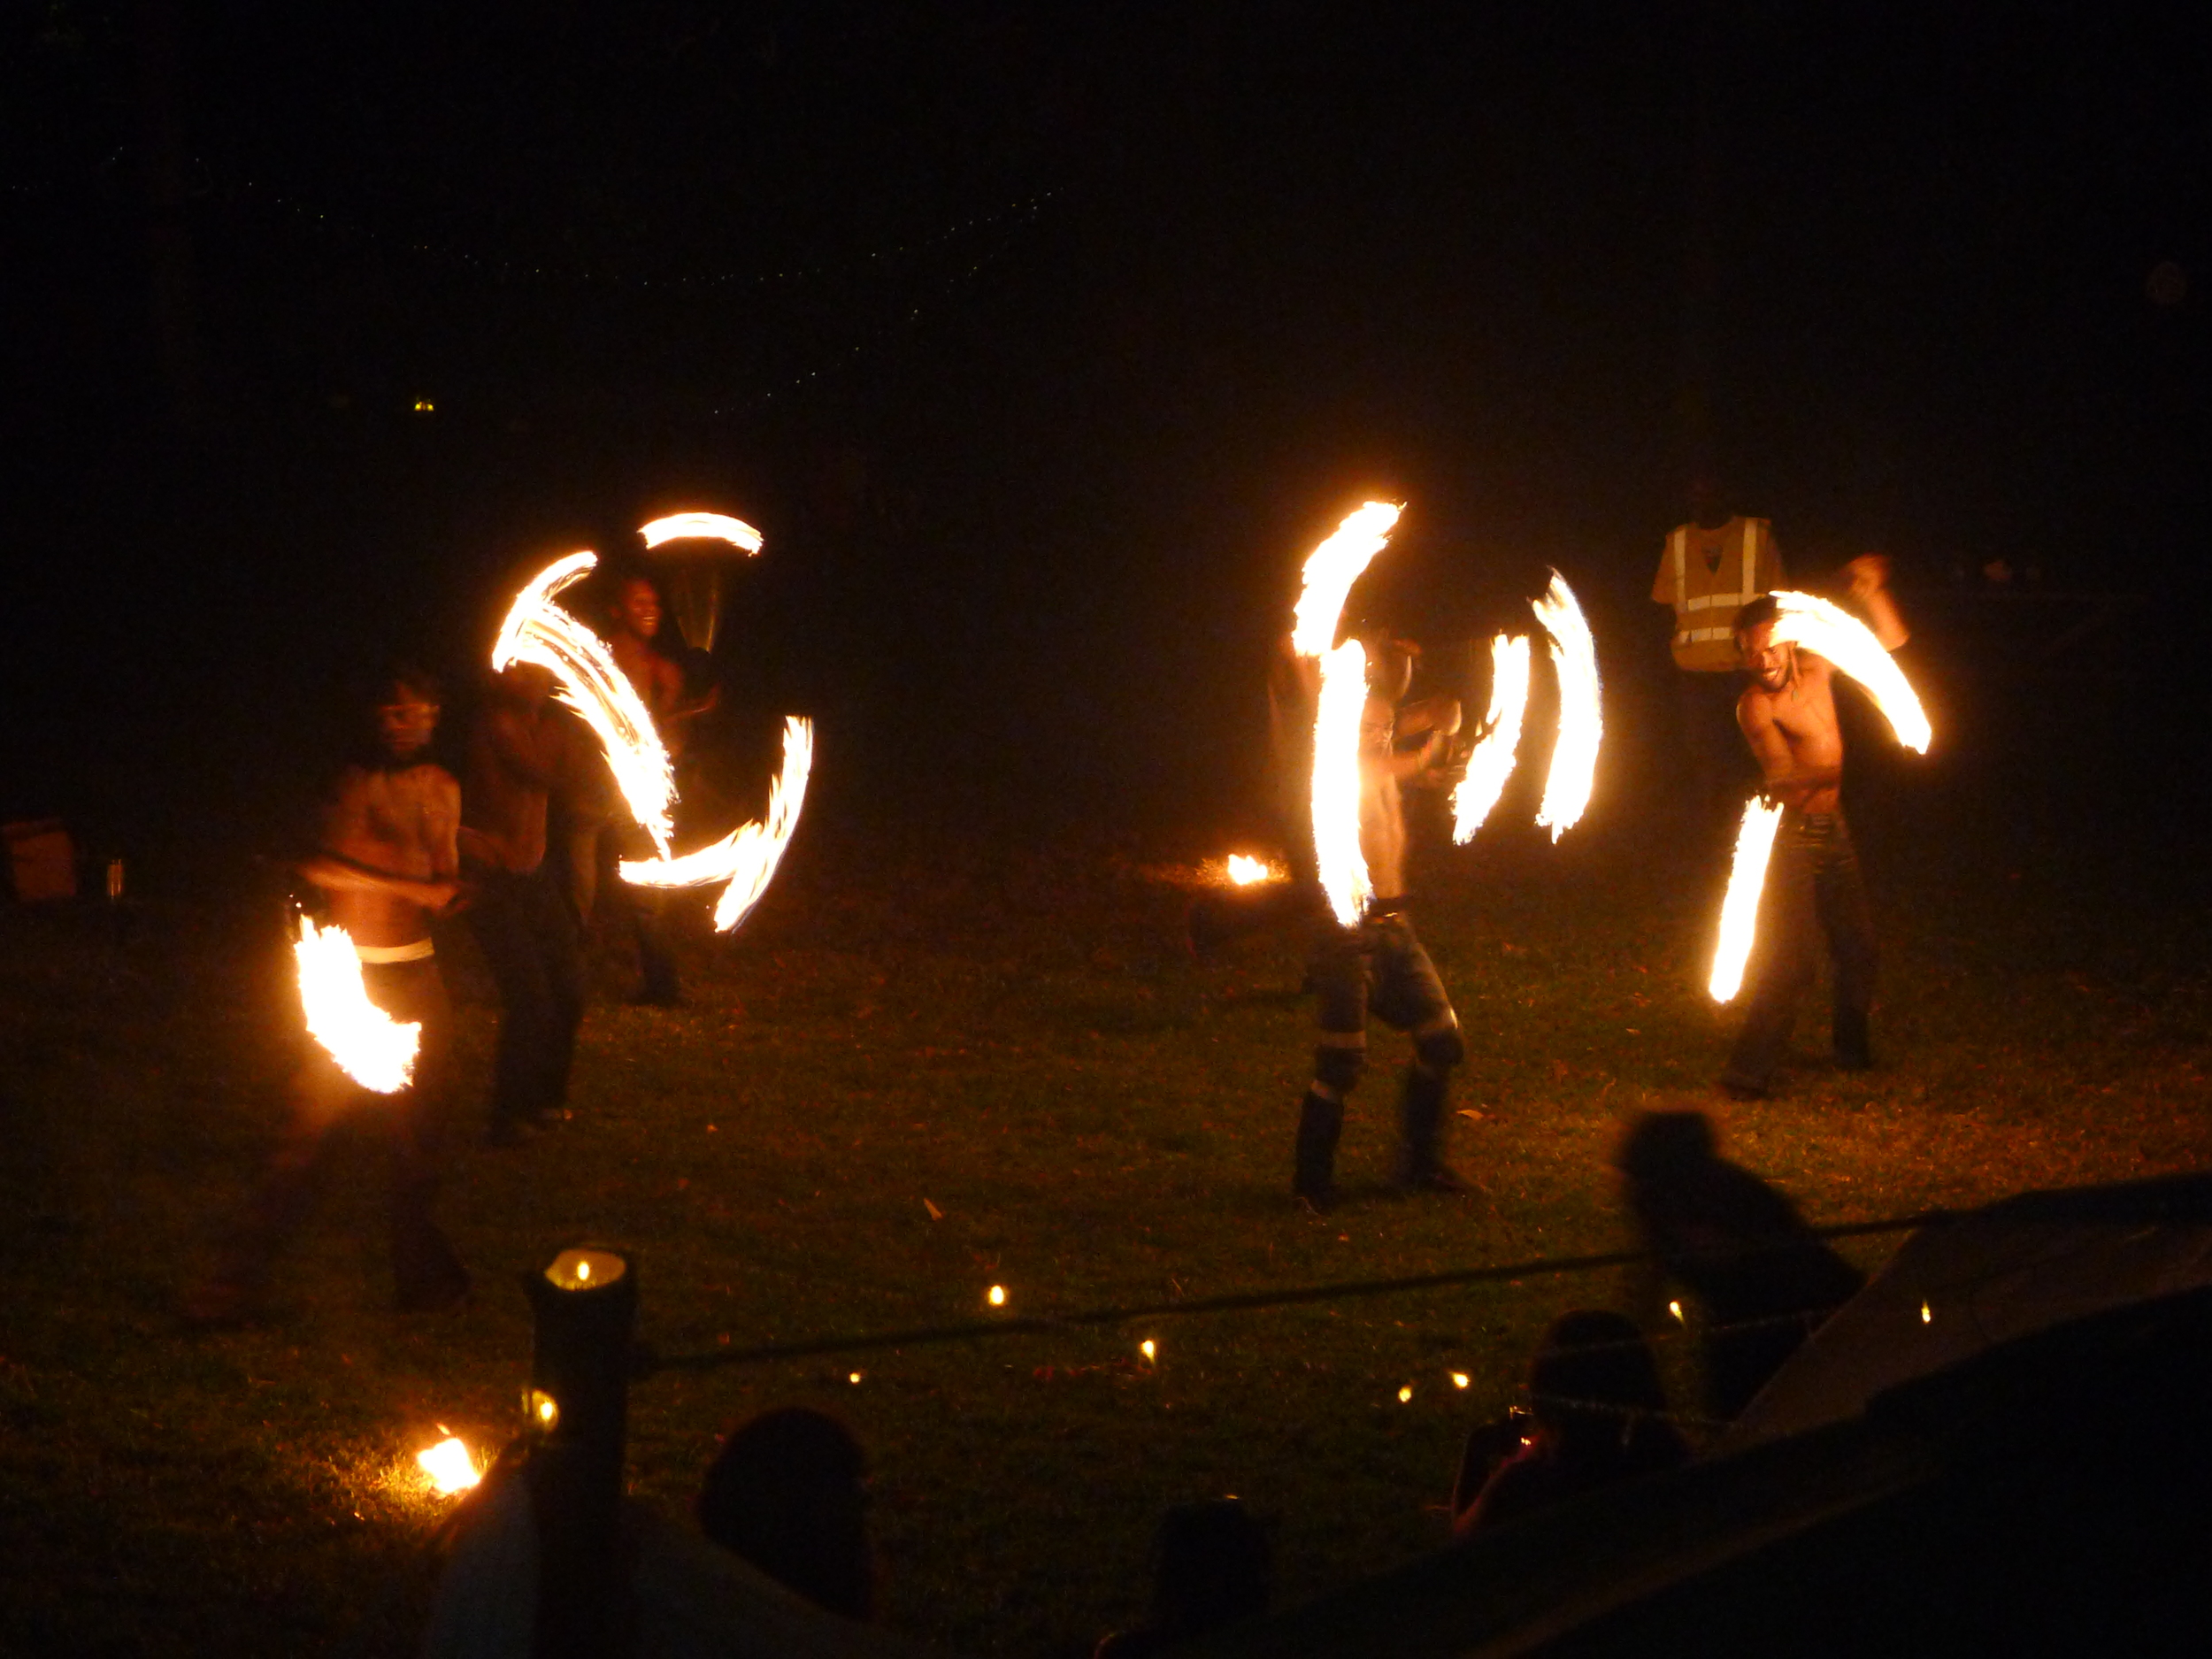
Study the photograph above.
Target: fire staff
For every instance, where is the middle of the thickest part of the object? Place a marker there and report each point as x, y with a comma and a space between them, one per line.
1787, 714
1377, 964
387, 858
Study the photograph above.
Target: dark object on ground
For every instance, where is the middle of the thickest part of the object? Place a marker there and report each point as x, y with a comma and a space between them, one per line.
788, 1492
1599, 1416
1762, 1281
1212, 1565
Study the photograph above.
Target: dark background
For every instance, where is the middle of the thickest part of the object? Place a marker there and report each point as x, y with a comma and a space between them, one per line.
1043, 341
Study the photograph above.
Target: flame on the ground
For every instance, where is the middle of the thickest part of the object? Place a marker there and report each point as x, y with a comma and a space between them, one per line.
1491, 763
587, 681
1739, 910
702, 526
746, 857
1245, 870
372, 1047
1331, 570
1574, 755
1835, 633
450, 1467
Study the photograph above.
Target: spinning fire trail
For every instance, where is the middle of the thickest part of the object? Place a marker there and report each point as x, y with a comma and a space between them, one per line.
588, 682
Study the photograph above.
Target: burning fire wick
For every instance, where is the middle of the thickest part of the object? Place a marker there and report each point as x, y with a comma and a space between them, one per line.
1739, 910
1835, 633
449, 1465
1491, 761
1246, 872
372, 1047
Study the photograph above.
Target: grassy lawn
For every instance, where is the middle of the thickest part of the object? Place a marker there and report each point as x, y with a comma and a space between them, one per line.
924, 1069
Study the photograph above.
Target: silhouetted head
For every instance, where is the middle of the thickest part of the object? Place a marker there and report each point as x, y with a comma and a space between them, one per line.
1600, 1358
1661, 1144
405, 710
1212, 1563
788, 1492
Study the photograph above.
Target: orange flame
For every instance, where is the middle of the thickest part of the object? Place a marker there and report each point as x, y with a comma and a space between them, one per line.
450, 1467
1492, 761
1835, 633
1246, 872
1331, 570
587, 681
1739, 910
372, 1047
746, 857
702, 526
1574, 755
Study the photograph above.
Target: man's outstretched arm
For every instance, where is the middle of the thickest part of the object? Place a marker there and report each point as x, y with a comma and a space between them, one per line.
1869, 587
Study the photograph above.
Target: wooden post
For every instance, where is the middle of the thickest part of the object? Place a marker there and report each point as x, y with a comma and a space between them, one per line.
585, 1300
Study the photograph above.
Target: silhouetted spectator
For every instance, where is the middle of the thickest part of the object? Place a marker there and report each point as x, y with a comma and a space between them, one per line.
788, 1492
1213, 1564
1598, 1414
1761, 1279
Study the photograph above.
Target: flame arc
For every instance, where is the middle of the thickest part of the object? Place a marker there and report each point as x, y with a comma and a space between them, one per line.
1739, 910
1331, 570
746, 857
703, 527
1491, 763
586, 679
1574, 755
1822, 626
372, 1047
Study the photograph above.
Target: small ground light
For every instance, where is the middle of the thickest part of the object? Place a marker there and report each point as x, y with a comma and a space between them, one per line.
450, 1466
543, 1411
1460, 1379
997, 1296
1405, 1395
423, 406
854, 1379
1148, 1349
1675, 1308
1927, 1314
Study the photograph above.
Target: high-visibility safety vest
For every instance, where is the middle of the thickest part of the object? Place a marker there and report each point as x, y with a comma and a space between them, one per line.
1708, 576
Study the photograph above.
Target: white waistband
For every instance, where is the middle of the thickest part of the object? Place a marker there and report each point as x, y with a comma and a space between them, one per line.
414, 952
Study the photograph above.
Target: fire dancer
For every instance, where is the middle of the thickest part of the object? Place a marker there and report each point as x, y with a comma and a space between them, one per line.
387, 858
522, 918
659, 684
1377, 964
1787, 714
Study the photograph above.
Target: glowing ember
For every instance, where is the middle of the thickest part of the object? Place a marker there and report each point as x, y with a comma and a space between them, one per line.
1245, 871
1739, 910
586, 679
1331, 570
1927, 1314
450, 1467
997, 1297
702, 526
1574, 755
746, 857
1848, 642
1675, 1308
1405, 1395
853, 1377
372, 1047
1148, 1349
1460, 1379
1491, 764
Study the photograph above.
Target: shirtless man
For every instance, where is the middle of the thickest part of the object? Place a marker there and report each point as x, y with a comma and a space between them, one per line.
385, 857
1788, 716
1379, 964
659, 684
522, 918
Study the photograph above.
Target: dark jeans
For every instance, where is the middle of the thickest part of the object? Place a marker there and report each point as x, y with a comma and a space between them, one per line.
528, 935
415, 1120
1813, 891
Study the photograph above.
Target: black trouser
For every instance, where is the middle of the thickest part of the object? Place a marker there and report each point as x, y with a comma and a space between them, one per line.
1813, 890
416, 1118
528, 933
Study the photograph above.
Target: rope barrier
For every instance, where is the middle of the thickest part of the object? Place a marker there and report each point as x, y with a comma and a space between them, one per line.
1240, 1301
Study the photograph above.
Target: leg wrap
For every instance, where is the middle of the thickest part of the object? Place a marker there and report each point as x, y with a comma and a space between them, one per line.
1437, 1052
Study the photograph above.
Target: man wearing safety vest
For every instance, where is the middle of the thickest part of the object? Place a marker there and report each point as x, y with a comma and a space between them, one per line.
1709, 569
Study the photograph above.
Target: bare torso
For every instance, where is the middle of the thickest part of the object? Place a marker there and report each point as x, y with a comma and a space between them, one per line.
398, 823
1793, 734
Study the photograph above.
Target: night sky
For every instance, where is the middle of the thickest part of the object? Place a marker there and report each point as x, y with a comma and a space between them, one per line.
1042, 341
